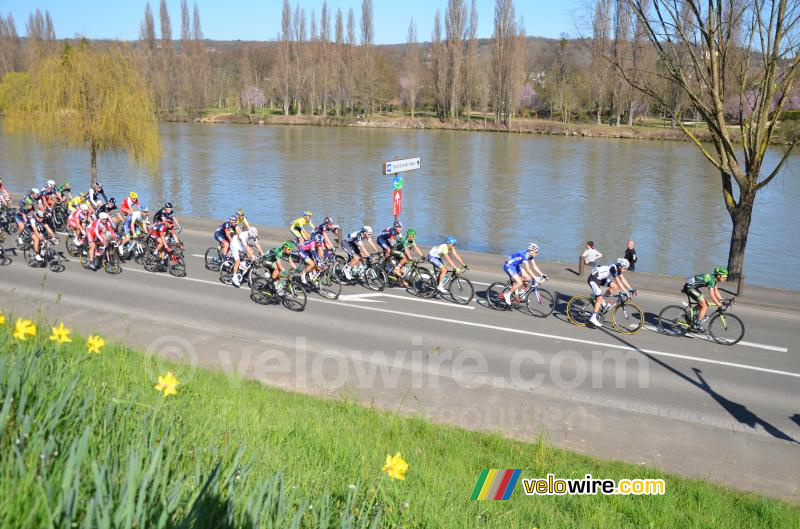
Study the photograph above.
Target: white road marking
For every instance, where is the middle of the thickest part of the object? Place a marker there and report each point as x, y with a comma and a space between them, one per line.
361, 297
708, 338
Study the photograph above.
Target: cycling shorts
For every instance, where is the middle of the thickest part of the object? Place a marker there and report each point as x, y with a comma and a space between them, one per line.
435, 261
351, 248
512, 269
383, 242
693, 293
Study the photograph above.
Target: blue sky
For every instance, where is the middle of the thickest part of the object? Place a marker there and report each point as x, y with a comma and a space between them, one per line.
260, 20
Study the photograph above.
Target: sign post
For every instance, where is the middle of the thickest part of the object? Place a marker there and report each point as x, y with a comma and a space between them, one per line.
393, 168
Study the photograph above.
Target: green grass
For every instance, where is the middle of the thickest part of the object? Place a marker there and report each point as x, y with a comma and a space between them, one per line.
88, 442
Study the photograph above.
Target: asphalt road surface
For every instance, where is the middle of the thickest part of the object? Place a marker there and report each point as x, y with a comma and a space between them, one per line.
687, 405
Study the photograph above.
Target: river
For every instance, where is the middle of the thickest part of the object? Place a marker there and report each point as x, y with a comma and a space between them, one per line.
495, 192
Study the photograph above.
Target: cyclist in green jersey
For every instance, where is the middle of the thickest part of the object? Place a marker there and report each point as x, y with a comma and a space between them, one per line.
402, 251
695, 283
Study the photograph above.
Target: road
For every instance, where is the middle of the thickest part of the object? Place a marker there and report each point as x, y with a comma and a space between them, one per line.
727, 414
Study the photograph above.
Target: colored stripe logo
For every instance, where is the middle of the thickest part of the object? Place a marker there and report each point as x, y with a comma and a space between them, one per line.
495, 484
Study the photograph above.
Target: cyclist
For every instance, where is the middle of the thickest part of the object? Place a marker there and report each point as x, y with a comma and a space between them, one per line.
297, 227
159, 233
134, 224
401, 251
75, 202
273, 259
611, 277
241, 221
64, 191
520, 267
48, 193
36, 229
27, 206
166, 212
309, 253
695, 283
355, 247
224, 232
129, 204
97, 196
5, 197
435, 258
77, 222
110, 207
388, 236
98, 232
242, 243
323, 229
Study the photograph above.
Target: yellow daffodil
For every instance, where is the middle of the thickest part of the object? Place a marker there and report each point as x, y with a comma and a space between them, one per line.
95, 343
167, 384
23, 329
60, 334
2, 319
395, 466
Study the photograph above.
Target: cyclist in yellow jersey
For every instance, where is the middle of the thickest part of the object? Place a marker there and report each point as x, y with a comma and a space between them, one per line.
75, 202
435, 258
241, 221
297, 227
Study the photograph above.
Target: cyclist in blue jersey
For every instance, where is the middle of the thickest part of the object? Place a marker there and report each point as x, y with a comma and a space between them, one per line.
520, 267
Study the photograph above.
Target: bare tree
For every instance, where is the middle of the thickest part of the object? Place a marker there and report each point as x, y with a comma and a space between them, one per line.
455, 22
168, 100
471, 59
749, 49
339, 63
325, 54
10, 46
147, 30
507, 55
600, 52
411, 67
621, 49
40, 33
438, 53
350, 65
367, 42
638, 61
186, 23
298, 58
284, 63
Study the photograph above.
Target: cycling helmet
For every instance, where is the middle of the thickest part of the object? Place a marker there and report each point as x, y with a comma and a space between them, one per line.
240, 212
252, 232
398, 225
167, 205
451, 241
623, 263
327, 220
721, 271
34, 191
233, 219
40, 213
67, 183
533, 247
366, 229
411, 231
112, 200
288, 245
307, 213
136, 215
84, 207
51, 183
134, 195
144, 209
103, 216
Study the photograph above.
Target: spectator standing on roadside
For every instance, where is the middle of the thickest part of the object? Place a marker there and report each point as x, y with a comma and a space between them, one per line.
630, 255
590, 255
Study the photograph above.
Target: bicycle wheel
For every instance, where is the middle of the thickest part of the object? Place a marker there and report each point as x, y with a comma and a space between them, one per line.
579, 310
540, 302
294, 297
56, 266
72, 248
673, 321
112, 265
177, 267
461, 290
226, 272
262, 291
375, 278
628, 318
423, 284
152, 263
328, 287
213, 259
141, 254
494, 296
726, 329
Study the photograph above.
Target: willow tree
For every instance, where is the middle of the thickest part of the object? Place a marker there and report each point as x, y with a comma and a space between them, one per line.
89, 98
735, 62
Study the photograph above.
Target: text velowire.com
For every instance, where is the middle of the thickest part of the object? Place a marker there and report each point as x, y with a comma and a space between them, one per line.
552, 486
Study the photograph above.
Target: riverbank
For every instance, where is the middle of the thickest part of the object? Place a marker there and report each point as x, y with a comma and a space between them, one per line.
159, 444
751, 295
476, 124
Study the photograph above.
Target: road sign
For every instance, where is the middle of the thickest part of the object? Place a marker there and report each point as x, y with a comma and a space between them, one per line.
397, 202
397, 182
398, 166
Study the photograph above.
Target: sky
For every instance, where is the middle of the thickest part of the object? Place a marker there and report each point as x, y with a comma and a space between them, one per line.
260, 20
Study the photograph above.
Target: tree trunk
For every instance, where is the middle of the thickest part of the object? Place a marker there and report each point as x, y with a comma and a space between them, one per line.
741, 216
94, 162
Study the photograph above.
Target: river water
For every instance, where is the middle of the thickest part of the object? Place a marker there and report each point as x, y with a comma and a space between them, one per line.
494, 192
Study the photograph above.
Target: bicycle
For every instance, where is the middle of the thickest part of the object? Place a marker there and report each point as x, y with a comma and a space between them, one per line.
5, 260
214, 258
246, 270
626, 316
418, 278
723, 328
323, 281
538, 302
459, 288
108, 258
369, 273
171, 262
289, 292
50, 258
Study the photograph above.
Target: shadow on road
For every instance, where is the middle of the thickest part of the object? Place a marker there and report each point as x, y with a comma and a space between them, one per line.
796, 418
737, 411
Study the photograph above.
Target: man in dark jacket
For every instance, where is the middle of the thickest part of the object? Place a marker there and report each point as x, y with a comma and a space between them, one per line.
630, 255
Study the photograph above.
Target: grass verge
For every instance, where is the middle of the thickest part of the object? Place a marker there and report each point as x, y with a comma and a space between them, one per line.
87, 441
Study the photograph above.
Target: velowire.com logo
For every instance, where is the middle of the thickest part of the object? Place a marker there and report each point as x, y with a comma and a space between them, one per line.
495, 484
